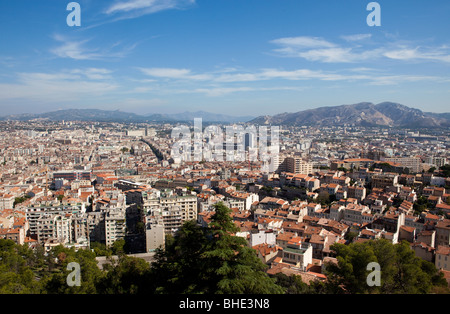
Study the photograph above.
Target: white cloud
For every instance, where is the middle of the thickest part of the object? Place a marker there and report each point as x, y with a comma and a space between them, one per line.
221, 91
94, 73
77, 50
416, 54
56, 87
136, 8
331, 55
320, 50
303, 42
364, 75
173, 73
356, 37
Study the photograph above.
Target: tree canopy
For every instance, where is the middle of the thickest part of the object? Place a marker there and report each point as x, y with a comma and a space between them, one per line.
401, 271
212, 260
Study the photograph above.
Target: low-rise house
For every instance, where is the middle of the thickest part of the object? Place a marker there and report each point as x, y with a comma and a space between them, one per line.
424, 251
442, 259
443, 232
267, 252
298, 253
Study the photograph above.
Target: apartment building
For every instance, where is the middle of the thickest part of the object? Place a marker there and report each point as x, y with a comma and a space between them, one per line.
187, 205
35, 211
295, 165
55, 227
15, 234
6, 201
154, 236
384, 180
357, 192
115, 226
155, 202
72, 175
355, 213
412, 163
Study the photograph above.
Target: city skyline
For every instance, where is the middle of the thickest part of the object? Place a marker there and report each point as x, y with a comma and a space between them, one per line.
229, 57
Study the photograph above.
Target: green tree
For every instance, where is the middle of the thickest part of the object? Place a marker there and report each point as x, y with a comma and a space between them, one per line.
180, 267
401, 271
118, 247
294, 284
211, 260
129, 275
350, 273
16, 277
100, 249
233, 266
20, 199
56, 283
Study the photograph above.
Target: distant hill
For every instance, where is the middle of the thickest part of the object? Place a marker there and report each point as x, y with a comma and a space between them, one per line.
120, 116
209, 117
362, 114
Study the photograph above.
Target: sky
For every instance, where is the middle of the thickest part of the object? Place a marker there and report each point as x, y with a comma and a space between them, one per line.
235, 57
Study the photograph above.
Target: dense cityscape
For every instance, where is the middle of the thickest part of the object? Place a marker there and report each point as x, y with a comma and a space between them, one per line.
224, 155
114, 189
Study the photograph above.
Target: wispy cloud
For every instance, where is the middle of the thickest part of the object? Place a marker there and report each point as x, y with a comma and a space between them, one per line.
222, 91
126, 9
172, 73
74, 49
79, 50
356, 37
321, 50
408, 54
363, 75
58, 86
94, 73
303, 42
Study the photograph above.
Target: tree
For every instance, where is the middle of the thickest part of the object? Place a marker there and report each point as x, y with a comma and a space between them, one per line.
21, 199
233, 266
129, 275
91, 275
100, 249
16, 276
445, 170
210, 260
350, 274
400, 270
180, 267
420, 205
293, 284
118, 247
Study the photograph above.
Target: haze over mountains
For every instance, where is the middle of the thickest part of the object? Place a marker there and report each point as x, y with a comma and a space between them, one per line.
120, 116
363, 114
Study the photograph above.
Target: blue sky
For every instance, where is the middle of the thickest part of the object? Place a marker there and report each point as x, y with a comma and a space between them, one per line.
237, 57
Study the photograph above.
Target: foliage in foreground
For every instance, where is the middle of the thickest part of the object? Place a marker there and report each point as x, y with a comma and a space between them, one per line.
211, 261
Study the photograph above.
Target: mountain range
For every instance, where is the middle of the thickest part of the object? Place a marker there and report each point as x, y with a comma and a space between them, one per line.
120, 116
387, 114
362, 114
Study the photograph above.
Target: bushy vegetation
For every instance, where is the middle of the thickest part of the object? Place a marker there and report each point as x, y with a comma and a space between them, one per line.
210, 261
